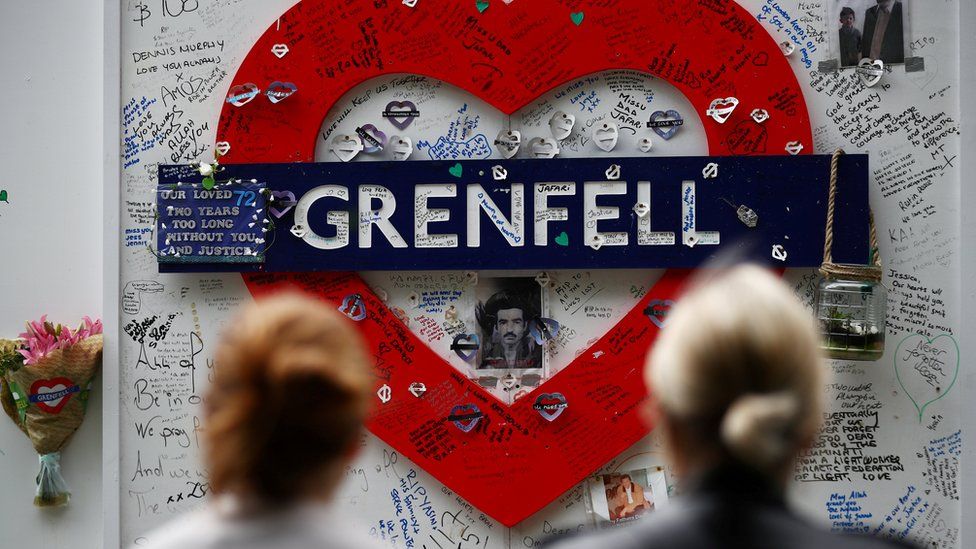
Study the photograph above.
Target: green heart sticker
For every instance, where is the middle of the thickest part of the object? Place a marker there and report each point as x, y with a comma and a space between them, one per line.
482, 5
3, 196
926, 368
456, 170
577, 17
562, 239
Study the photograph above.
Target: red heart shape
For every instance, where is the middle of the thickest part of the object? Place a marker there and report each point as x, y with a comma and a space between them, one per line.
51, 395
491, 466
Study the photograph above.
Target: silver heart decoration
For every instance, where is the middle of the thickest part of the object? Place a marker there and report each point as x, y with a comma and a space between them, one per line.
280, 50
597, 242
411, 4
721, 109
374, 140
543, 147
605, 136
243, 94
665, 123
642, 209
562, 124
402, 147
499, 173
346, 147
645, 144
779, 253
760, 115
222, 147
870, 72
710, 171
613, 172
299, 231
787, 47
794, 147
279, 91
508, 142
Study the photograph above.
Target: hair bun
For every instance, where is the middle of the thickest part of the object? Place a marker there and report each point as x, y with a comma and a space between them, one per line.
758, 428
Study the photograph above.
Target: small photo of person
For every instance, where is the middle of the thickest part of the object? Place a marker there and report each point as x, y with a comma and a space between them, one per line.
506, 308
627, 496
871, 29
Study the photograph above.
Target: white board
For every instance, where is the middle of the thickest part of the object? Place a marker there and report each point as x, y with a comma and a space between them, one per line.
899, 470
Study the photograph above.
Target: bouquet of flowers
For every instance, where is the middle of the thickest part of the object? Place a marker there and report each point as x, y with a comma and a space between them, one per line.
45, 380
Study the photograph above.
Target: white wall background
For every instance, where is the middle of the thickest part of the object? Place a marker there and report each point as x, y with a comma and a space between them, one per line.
51, 237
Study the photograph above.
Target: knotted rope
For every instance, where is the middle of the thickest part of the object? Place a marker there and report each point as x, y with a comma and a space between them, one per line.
840, 270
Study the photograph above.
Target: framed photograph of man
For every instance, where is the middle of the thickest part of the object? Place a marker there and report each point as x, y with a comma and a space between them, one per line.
506, 310
868, 29
623, 497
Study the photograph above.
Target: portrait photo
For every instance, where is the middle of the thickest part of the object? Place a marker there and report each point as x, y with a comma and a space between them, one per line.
868, 29
506, 310
623, 497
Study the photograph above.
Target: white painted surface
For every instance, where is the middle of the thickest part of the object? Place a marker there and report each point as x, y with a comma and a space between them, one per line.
51, 166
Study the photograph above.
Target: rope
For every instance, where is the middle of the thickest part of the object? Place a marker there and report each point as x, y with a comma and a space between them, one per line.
839, 270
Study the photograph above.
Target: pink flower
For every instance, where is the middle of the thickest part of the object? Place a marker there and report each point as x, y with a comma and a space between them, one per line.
43, 337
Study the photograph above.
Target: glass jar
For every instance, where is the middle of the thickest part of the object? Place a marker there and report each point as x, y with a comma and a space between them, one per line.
852, 315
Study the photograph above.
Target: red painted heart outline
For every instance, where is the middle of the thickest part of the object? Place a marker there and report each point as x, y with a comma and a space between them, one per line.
603, 386
69, 389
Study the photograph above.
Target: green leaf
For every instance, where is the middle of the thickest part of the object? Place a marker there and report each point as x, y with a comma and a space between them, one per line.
208, 182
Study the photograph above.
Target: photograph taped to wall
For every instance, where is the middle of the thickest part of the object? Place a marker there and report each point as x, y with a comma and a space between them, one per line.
505, 311
626, 496
868, 29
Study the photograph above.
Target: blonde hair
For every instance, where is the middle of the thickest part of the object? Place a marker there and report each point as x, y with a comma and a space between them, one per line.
740, 360
290, 393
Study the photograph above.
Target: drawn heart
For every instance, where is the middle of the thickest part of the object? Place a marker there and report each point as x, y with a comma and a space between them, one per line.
926, 368
402, 147
243, 94
280, 50
346, 147
465, 416
605, 136
282, 202
51, 395
543, 147
471, 464
561, 125
466, 346
870, 72
665, 123
456, 170
373, 139
508, 142
279, 91
657, 310
562, 239
721, 109
401, 113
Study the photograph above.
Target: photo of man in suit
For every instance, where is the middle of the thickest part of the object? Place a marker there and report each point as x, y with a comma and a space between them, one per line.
883, 37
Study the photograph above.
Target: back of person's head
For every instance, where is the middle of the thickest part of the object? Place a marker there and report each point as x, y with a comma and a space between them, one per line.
738, 371
286, 408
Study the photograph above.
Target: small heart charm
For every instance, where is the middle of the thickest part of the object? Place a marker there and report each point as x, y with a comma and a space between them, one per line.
787, 47
385, 393
645, 144
508, 142
242, 94
282, 202
509, 381
410, 3
543, 147
665, 123
710, 171
466, 346
346, 147
374, 140
596, 242
298, 230
417, 388
794, 147
279, 91
613, 172
401, 113
605, 136
562, 125
465, 416
759, 115
642, 209
222, 147
280, 50
550, 405
402, 147
657, 311
721, 109
543, 278
498, 173
870, 72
